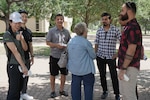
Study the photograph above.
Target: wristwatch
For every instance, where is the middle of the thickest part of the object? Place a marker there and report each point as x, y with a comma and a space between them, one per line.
32, 55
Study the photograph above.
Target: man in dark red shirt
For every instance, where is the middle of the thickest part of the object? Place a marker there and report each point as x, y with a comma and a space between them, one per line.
129, 51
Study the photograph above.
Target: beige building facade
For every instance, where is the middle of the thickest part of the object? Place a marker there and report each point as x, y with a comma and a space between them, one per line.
2, 26
38, 25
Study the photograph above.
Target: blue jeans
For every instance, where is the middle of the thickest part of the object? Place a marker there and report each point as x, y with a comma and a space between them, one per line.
88, 82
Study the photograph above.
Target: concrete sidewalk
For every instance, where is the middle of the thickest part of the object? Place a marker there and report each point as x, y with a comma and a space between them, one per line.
39, 86
39, 83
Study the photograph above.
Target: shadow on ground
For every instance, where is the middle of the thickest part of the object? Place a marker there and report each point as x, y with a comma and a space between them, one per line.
42, 91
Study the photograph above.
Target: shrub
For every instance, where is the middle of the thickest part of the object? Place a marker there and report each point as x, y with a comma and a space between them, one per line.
38, 34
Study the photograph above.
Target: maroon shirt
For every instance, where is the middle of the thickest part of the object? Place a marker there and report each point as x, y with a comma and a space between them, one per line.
130, 35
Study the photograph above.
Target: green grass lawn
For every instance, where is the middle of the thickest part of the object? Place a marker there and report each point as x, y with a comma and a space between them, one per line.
38, 50
147, 53
41, 50
45, 51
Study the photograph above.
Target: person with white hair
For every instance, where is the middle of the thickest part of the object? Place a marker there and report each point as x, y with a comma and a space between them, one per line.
80, 63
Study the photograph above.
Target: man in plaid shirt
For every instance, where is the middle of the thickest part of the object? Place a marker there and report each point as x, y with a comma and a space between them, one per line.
129, 53
105, 47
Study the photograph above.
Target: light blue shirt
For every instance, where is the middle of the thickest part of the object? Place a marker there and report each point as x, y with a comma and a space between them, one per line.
80, 56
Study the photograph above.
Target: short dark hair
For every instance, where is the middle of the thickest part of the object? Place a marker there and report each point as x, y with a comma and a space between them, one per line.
106, 14
59, 15
23, 11
132, 6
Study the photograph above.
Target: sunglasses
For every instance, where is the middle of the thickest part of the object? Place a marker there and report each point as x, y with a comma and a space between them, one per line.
128, 4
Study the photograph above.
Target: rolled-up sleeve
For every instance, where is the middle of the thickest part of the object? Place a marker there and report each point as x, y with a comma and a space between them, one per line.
49, 36
7, 37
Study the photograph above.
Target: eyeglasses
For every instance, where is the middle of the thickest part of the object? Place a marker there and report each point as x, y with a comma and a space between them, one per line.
128, 4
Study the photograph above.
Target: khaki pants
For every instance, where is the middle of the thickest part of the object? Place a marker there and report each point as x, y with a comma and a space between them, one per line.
128, 88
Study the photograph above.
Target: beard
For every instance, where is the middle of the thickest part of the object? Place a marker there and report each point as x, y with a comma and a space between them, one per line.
124, 17
105, 24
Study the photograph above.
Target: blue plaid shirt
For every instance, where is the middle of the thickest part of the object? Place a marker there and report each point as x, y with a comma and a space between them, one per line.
107, 41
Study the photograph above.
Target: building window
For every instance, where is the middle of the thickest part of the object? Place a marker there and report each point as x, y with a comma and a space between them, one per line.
37, 24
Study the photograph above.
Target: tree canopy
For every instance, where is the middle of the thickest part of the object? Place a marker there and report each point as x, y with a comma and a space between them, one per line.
7, 6
88, 11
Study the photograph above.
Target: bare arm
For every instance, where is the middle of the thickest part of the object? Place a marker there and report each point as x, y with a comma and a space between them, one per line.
130, 51
24, 45
128, 58
115, 56
96, 48
31, 53
17, 55
23, 42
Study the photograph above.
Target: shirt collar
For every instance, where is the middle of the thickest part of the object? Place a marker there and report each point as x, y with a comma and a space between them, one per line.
23, 28
131, 21
109, 27
58, 29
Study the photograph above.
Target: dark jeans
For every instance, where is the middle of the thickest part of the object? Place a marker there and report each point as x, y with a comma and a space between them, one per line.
15, 82
24, 89
137, 92
101, 63
88, 82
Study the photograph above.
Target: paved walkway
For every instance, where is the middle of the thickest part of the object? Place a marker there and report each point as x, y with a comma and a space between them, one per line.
39, 86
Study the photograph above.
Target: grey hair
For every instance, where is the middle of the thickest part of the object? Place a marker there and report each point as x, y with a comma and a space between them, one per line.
80, 28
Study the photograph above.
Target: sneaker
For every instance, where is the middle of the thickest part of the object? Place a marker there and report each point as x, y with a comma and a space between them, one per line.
104, 95
64, 93
26, 96
117, 97
20, 98
53, 95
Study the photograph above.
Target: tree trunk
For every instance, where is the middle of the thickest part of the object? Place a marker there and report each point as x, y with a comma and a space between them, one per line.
86, 20
7, 21
145, 26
